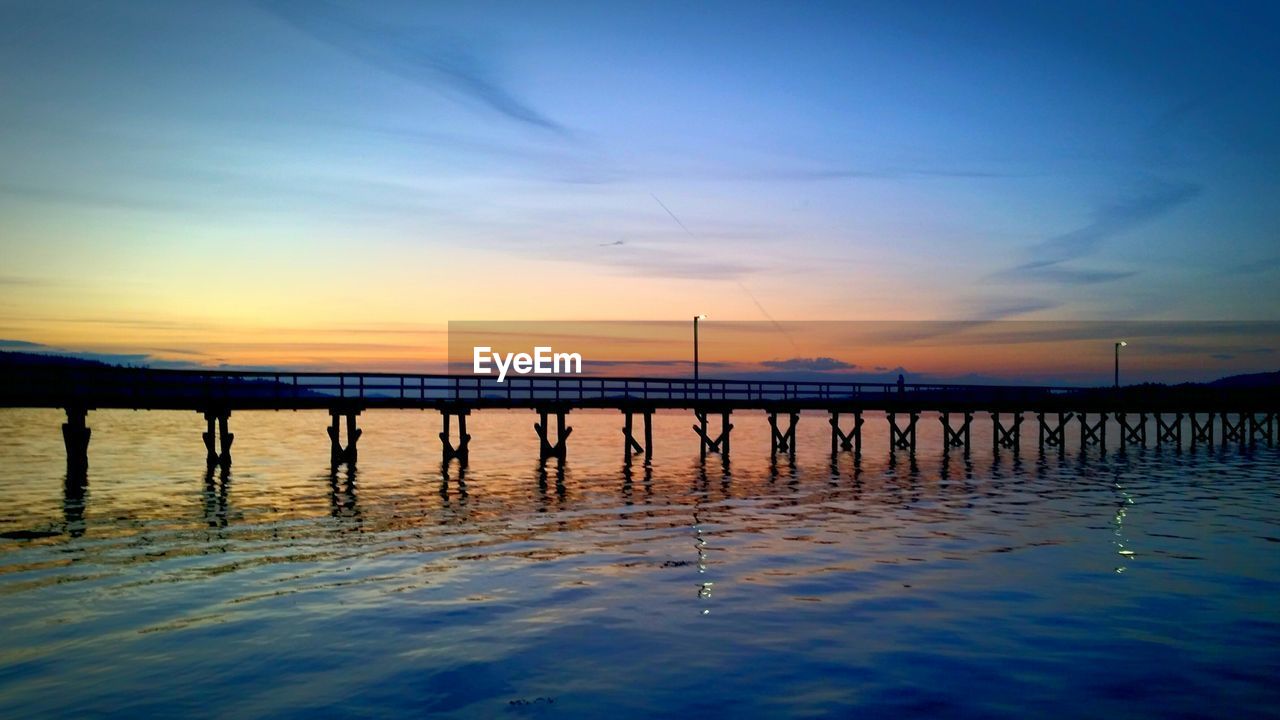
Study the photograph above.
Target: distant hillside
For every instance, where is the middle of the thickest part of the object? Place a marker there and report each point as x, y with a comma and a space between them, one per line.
24, 359
1253, 380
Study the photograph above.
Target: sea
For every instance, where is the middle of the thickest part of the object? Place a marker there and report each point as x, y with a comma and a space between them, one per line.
1141, 582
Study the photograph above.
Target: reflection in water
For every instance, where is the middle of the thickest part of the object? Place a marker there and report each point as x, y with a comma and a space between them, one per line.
883, 585
74, 488
460, 482
342, 496
215, 495
700, 546
1122, 510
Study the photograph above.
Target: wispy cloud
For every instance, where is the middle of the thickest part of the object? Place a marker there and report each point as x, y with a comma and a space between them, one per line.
439, 63
1115, 218
812, 364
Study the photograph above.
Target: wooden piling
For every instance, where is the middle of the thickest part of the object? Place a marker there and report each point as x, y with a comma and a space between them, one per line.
708, 444
783, 441
546, 448
1093, 433
1132, 434
1006, 437
448, 449
1201, 433
338, 454
902, 438
75, 438
217, 438
630, 445
851, 440
959, 437
1169, 432
1053, 435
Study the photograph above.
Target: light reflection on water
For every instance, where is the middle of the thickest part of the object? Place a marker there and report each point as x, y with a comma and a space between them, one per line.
1142, 583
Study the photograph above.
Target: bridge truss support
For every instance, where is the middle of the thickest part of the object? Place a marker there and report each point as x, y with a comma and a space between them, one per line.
546, 448
1261, 428
1003, 436
630, 445
1054, 435
217, 438
1169, 432
448, 450
337, 453
841, 440
75, 436
1201, 433
1234, 433
1093, 433
960, 437
718, 444
1136, 433
783, 441
902, 438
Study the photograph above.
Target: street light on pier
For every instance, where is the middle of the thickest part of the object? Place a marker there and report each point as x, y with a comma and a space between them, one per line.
1119, 345
696, 318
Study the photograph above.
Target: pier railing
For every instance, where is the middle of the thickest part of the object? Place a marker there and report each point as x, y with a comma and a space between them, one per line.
144, 387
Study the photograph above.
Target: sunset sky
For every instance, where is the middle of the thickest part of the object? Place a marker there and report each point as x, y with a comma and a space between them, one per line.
327, 184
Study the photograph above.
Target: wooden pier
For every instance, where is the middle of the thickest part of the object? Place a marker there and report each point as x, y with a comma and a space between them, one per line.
1245, 417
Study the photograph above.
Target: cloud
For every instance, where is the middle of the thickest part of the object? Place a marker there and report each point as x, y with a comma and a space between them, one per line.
437, 63
1054, 272
1255, 267
1110, 220
1001, 308
816, 364
19, 281
1113, 219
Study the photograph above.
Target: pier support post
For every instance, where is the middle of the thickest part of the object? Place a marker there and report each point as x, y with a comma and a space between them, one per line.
1054, 436
959, 437
903, 438
852, 440
337, 453
75, 437
1170, 432
783, 440
547, 449
1260, 428
1093, 434
217, 438
1005, 437
1136, 433
718, 444
1202, 433
448, 450
1233, 433
630, 445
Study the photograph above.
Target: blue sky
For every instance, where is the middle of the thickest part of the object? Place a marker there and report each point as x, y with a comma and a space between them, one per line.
225, 174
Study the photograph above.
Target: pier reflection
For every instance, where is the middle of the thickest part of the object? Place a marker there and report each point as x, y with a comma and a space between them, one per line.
343, 496
217, 487
74, 488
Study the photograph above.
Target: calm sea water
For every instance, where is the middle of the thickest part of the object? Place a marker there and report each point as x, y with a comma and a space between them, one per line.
1142, 584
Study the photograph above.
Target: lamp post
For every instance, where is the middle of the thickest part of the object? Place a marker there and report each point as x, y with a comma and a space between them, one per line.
696, 318
1118, 346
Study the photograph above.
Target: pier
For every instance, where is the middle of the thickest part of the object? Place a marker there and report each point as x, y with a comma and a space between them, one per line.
1228, 416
